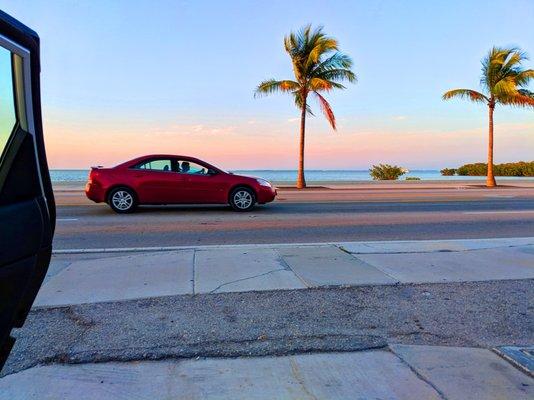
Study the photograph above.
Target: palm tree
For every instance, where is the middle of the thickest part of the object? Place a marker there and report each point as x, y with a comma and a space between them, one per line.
318, 67
504, 82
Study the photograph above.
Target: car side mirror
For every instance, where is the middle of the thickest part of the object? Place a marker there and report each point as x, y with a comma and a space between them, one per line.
211, 172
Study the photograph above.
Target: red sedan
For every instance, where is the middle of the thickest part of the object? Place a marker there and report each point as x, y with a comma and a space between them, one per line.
169, 179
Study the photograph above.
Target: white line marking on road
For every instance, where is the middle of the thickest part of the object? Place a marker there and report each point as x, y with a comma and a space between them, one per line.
66, 219
500, 212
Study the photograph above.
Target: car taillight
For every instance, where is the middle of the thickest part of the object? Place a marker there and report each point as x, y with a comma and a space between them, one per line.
93, 175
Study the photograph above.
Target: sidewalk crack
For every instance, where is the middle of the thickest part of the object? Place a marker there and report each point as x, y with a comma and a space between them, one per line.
244, 279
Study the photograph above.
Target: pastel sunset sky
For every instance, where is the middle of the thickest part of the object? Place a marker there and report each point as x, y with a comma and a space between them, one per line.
126, 78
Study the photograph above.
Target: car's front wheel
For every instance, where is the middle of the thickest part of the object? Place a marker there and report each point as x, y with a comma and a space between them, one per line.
122, 200
242, 199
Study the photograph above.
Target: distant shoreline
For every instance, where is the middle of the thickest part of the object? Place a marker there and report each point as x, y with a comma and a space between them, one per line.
313, 176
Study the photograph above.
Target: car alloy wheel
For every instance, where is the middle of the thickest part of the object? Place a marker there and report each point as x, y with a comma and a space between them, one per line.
122, 200
243, 199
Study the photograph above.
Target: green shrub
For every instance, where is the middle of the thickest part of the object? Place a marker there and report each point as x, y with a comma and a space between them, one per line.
520, 168
386, 172
448, 171
412, 178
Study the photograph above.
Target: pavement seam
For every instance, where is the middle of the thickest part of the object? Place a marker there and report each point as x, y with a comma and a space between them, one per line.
295, 371
193, 282
284, 264
396, 280
418, 374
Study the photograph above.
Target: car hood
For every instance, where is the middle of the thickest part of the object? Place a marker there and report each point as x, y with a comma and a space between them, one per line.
247, 176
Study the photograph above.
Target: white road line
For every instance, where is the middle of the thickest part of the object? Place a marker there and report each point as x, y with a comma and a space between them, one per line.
66, 219
500, 212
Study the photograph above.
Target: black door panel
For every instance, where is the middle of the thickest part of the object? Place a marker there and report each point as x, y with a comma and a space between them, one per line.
21, 230
27, 211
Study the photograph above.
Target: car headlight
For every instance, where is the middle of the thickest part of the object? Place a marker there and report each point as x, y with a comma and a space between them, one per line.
263, 182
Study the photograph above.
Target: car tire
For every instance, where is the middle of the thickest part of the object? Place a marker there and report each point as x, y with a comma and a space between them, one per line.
122, 200
242, 199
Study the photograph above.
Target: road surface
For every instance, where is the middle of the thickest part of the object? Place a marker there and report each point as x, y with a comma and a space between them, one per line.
314, 216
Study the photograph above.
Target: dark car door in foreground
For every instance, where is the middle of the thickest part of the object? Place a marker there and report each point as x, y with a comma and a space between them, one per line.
27, 211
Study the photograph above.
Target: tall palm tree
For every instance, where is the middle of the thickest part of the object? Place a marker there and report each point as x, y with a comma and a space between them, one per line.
504, 82
318, 67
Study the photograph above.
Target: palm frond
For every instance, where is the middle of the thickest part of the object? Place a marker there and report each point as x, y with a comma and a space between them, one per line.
272, 86
327, 110
320, 48
521, 98
339, 74
468, 94
320, 84
316, 84
335, 61
504, 87
523, 78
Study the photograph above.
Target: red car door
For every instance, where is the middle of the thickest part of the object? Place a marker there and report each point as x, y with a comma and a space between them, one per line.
203, 189
202, 185
156, 182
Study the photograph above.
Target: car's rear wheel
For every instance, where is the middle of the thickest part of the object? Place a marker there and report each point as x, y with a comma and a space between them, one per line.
122, 200
242, 199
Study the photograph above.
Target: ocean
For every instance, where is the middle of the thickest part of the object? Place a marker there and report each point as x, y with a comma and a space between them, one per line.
312, 175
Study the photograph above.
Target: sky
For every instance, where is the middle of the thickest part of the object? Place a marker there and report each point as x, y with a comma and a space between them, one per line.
126, 78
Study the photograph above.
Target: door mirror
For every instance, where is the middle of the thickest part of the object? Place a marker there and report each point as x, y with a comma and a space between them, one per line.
211, 172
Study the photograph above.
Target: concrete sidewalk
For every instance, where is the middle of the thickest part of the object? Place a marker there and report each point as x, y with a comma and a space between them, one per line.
402, 372
217, 269
362, 320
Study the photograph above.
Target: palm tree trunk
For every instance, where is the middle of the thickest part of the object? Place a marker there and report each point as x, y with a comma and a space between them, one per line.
301, 182
490, 179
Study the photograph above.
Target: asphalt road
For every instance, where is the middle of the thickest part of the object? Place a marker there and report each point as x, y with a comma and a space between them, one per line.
81, 226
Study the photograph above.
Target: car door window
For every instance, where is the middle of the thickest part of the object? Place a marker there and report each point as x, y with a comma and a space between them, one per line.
156, 165
8, 116
191, 168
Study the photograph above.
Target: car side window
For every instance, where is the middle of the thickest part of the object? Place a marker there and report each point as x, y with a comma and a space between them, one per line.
191, 168
8, 117
156, 165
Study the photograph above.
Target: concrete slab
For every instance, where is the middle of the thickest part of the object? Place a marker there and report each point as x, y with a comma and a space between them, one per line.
328, 265
361, 375
237, 270
419, 246
120, 278
474, 265
467, 373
